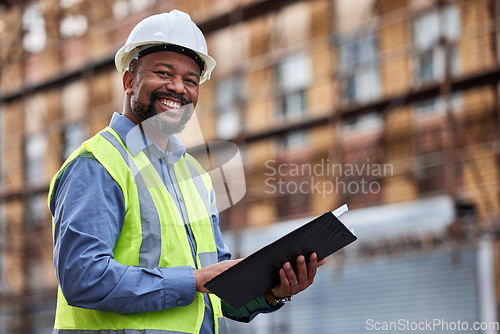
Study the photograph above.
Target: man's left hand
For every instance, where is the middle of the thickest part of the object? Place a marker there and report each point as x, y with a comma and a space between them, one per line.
292, 283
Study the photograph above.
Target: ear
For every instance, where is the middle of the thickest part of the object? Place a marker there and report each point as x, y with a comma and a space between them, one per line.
128, 82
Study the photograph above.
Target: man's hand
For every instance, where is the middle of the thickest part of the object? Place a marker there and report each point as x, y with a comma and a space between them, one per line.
292, 283
204, 275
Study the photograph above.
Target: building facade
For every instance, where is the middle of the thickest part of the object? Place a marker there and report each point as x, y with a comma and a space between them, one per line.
390, 106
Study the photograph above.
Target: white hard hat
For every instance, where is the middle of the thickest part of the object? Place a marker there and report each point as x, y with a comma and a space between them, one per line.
173, 31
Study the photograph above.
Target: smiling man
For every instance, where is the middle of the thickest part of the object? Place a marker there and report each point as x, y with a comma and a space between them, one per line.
136, 229
168, 87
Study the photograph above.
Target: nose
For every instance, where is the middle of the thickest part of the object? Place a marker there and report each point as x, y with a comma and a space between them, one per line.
176, 84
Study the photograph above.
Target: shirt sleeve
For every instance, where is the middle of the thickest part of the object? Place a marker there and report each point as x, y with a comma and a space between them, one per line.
89, 209
255, 307
250, 310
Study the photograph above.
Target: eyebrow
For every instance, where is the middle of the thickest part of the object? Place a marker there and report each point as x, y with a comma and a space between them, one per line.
171, 67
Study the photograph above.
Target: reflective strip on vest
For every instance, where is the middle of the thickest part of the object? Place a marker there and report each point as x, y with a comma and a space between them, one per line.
222, 330
150, 252
200, 186
120, 331
208, 258
222, 326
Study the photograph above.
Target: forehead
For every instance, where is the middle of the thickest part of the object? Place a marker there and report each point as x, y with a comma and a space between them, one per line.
175, 60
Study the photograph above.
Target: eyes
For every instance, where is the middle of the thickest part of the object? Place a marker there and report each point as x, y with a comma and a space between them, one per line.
190, 80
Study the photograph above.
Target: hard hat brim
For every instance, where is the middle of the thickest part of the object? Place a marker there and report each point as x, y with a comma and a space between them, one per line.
129, 52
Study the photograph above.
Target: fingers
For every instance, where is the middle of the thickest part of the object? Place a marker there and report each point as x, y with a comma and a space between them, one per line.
284, 280
292, 282
289, 284
322, 262
302, 272
313, 265
205, 274
303, 277
228, 264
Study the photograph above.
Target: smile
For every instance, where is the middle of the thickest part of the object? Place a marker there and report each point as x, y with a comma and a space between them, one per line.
170, 104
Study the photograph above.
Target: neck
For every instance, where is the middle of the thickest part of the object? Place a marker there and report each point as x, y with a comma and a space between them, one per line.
160, 139
149, 126
127, 112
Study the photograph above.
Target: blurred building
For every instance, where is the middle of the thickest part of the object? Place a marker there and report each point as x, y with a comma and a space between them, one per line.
391, 106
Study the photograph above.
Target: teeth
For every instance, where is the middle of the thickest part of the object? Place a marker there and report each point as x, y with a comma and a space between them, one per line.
171, 104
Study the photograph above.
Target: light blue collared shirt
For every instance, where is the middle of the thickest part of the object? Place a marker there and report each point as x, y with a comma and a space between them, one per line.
89, 209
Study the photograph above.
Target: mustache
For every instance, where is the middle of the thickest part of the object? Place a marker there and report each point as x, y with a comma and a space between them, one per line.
155, 95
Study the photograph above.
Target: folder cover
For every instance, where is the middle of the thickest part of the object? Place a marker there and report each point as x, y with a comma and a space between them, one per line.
259, 272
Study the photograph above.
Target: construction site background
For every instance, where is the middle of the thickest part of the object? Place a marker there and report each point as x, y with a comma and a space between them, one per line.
390, 106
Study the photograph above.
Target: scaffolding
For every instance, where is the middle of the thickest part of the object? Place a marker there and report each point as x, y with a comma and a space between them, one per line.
455, 153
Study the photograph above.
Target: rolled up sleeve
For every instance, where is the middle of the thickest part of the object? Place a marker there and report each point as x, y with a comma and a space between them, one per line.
250, 310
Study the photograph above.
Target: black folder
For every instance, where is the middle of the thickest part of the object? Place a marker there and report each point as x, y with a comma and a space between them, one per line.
259, 272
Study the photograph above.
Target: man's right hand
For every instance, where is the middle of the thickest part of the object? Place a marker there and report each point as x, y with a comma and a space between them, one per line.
204, 275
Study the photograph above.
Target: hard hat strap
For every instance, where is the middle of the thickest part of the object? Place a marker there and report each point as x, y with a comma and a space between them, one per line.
174, 48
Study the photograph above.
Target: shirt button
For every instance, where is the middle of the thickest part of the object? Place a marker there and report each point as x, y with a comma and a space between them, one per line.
179, 302
181, 199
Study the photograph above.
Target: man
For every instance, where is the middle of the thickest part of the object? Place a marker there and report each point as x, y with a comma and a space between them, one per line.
136, 232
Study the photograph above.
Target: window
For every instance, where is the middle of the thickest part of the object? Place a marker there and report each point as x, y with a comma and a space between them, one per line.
359, 68
229, 99
35, 152
74, 135
73, 25
435, 106
140, 5
426, 106
33, 22
293, 140
293, 204
68, 3
123, 8
36, 209
293, 80
497, 17
367, 123
74, 105
2, 221
430, 172
430, 53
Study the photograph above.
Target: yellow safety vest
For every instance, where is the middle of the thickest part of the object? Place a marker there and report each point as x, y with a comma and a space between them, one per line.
153, 235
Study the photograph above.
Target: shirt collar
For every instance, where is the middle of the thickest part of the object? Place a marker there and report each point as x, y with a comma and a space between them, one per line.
137, 141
